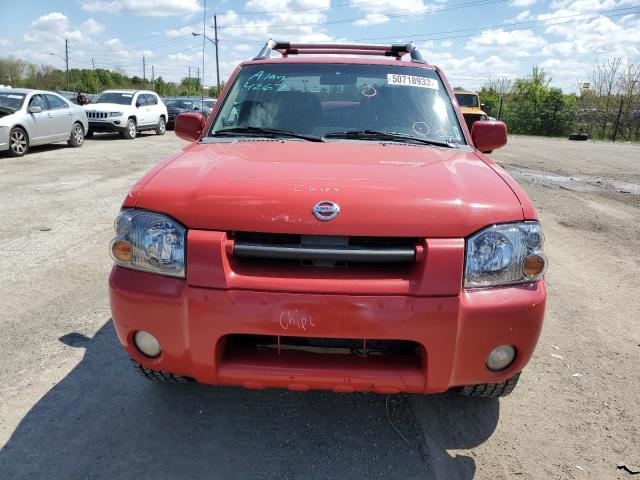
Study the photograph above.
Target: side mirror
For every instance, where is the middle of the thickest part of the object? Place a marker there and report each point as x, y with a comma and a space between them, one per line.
482, 105
137, 104
488, 135
35, 109
189, 126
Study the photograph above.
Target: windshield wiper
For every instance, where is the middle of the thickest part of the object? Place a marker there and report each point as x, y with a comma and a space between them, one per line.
392, 136
262, 131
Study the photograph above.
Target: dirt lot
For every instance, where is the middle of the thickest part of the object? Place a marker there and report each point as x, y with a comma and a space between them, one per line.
71, 407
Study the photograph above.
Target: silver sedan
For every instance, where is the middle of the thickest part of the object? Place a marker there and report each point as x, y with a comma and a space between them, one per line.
35, 117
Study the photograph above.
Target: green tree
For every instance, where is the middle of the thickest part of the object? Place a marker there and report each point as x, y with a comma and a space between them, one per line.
535, 108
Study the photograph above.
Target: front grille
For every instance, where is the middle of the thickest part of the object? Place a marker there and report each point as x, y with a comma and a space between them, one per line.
323, 251
361, 347
94, 114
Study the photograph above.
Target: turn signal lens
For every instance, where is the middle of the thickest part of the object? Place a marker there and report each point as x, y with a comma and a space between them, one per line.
534, 265
121, 251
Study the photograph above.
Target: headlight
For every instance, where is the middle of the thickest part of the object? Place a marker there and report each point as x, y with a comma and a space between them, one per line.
150, 242
504, 255
115, 114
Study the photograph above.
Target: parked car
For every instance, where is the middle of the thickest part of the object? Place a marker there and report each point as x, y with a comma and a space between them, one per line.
332, 226
37, 117
126, 112
471, 108
178, 105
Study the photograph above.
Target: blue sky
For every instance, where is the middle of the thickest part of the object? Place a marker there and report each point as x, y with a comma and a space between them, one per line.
471, 40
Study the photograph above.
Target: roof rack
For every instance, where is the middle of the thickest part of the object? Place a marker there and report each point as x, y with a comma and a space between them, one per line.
397, 50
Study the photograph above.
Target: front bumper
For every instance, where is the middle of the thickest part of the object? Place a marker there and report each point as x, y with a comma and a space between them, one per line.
191, 321
4, 138
108, 125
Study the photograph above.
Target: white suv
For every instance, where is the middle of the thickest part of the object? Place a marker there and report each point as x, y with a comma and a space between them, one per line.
127, 112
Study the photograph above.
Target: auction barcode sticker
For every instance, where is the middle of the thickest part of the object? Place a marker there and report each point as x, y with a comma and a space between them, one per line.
411, 81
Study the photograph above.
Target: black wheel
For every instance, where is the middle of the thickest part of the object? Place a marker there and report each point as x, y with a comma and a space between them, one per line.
131, 130
158, 376
77, 136
162, 127
579, 136
18, 142
88, 134
491, 390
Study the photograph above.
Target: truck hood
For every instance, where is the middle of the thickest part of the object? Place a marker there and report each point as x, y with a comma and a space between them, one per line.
382, 189
105, 107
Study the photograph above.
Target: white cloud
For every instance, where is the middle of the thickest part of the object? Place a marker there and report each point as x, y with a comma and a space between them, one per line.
377, 12
91, 27
184, 31
601, 37
566, 72
515, 43
524, 15
149, 8
300, 26
285, 5
470, 71
243, 48
372, 19
47, 27
522, 3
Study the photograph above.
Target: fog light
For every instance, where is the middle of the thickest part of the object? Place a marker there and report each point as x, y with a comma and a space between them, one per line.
501, 357
147, 343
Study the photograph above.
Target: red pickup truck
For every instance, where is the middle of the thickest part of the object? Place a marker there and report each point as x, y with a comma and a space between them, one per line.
333, 225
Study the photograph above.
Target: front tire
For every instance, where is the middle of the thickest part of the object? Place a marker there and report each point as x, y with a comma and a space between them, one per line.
18, 142
490, 390
77, 136
158, 376
131, 130
162, 127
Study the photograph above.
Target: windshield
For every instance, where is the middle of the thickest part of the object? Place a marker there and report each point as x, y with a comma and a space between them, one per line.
320, 99
114, 97
467, 99
184, 104
11, 101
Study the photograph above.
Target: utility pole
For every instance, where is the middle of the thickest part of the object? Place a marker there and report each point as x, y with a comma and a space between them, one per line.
215, 31
93, 65
204, 38
615, 130
66, 57
153, 78
144, 72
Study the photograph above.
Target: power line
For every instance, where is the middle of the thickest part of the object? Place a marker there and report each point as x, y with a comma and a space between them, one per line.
512, 27
330, 7
475, 3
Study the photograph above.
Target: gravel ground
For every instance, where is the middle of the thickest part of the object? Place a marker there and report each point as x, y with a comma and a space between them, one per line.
71, 407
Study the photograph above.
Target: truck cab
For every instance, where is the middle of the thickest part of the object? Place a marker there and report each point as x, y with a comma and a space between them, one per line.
333, 225
470, 107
